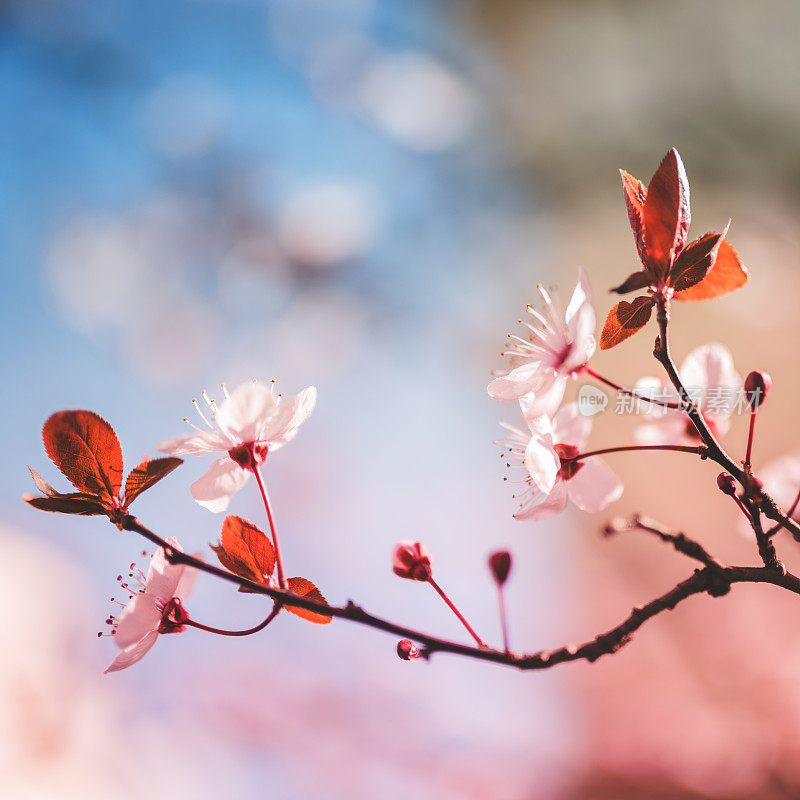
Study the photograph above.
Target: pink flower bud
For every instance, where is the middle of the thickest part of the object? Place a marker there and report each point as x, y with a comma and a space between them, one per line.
407, 650
756, 386
726, 483
412, 560
500, 565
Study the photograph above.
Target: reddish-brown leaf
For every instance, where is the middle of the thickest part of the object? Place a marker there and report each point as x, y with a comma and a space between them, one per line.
666, 213
727, 274
85, 505
304, 588
634, 282
85, 448
695, 261
624, 320
147, 474
635, 194
245, 550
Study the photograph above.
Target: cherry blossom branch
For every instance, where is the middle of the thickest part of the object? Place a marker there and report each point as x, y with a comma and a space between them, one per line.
715, 451
680, 541
714, 580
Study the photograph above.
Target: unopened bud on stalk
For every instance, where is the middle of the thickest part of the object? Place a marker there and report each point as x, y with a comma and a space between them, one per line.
500, 565
756, 386
726, 483
412, 560
407, 650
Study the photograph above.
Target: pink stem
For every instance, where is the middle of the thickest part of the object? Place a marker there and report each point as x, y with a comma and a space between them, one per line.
273, 528
449, 602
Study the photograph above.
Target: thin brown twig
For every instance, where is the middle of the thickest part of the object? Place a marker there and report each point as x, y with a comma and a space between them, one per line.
680, 541
713, 581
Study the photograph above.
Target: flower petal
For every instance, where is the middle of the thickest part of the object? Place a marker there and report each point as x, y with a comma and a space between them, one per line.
553, 503
195, 444
163, 577
580, 296
709, 375
594, 486
571, 427
517, 382
188, 580
134, 653
244, 411
542, 462
546, 398
293, 412
215, 489
141, 616
670, 429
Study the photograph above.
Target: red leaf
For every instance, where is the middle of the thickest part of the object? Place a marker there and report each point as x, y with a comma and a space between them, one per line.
304, 588
82, 504
666, 213
695, 261
147, 474
727, 274
624, 320
634, 282
85, 448
635, 194
245, 550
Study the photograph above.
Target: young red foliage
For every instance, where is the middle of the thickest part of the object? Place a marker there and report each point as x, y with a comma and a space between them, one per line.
86, 450
304, 588
659, 217
245, 550
624, 320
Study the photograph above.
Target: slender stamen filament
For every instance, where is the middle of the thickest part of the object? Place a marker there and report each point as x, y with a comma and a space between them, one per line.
202, 415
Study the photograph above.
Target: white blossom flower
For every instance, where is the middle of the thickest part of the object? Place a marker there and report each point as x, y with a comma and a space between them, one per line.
544, 453
713, 384
250, 422
558, 345
155, 608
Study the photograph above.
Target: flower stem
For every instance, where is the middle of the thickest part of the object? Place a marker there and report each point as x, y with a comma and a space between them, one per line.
501, 602
272, 526
449, 602
629, 393
750, 436
222, 632
679, 448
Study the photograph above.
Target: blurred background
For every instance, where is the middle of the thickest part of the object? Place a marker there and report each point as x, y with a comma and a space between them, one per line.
363, 195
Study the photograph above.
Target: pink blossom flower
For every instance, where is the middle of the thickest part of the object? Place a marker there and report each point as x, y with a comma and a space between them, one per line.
411, 560
712, 382
559, 343
544, 453
156, 608
251, 421
781, 479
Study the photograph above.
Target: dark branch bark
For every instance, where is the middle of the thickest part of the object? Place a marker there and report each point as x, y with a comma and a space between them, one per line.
680, 541
713, 580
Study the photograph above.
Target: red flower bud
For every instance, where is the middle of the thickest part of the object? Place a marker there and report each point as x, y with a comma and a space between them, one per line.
726, 483
500, 565
407, 650
756, 386
412, 560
